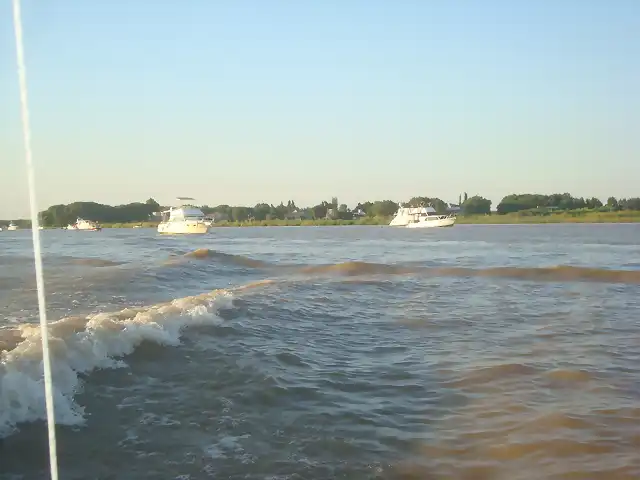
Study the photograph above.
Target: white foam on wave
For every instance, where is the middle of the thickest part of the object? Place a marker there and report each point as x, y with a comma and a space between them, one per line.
81, 344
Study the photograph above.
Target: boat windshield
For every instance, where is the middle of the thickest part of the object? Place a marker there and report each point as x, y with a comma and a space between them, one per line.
185, 213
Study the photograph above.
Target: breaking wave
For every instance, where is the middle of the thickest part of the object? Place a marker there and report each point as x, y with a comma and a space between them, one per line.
81, 344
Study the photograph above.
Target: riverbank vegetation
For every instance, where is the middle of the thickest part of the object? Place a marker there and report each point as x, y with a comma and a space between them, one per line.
515, 208
571, 216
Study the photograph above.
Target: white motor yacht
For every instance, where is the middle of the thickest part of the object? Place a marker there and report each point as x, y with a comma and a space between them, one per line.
421, 217
183, 219
82, 224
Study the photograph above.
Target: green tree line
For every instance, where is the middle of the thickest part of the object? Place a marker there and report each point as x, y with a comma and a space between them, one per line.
62, 215
325, 209
563, 201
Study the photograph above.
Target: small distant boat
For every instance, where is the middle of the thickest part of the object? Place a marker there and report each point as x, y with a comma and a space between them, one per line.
421, 217
12, 227
86, 225
183, 219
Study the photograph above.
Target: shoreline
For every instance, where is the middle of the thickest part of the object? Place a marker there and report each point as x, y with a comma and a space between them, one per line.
625, 217
588, 217
508, 219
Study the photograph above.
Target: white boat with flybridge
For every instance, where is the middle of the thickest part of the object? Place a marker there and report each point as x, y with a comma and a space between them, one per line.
12, 227
183, 219
82, 224
421, 217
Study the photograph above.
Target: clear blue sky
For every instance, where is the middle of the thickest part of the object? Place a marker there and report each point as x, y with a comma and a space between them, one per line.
246, 101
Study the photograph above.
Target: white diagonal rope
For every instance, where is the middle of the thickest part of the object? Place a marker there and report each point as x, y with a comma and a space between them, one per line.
35, 233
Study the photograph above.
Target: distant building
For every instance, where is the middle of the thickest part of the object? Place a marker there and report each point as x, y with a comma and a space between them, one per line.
305, 214
332, 214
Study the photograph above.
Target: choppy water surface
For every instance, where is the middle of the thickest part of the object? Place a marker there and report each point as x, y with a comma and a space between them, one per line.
484, 352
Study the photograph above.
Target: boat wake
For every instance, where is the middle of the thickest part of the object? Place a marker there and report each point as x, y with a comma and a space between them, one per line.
80, 344
559, 273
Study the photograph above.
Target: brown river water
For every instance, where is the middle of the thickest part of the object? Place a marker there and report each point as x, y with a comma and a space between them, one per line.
475, 352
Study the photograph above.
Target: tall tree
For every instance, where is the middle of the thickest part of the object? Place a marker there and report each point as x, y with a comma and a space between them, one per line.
476, 205
384, 208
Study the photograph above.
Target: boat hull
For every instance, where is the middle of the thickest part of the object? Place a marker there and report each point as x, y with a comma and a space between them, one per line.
400, 221
182, 228
441, 222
